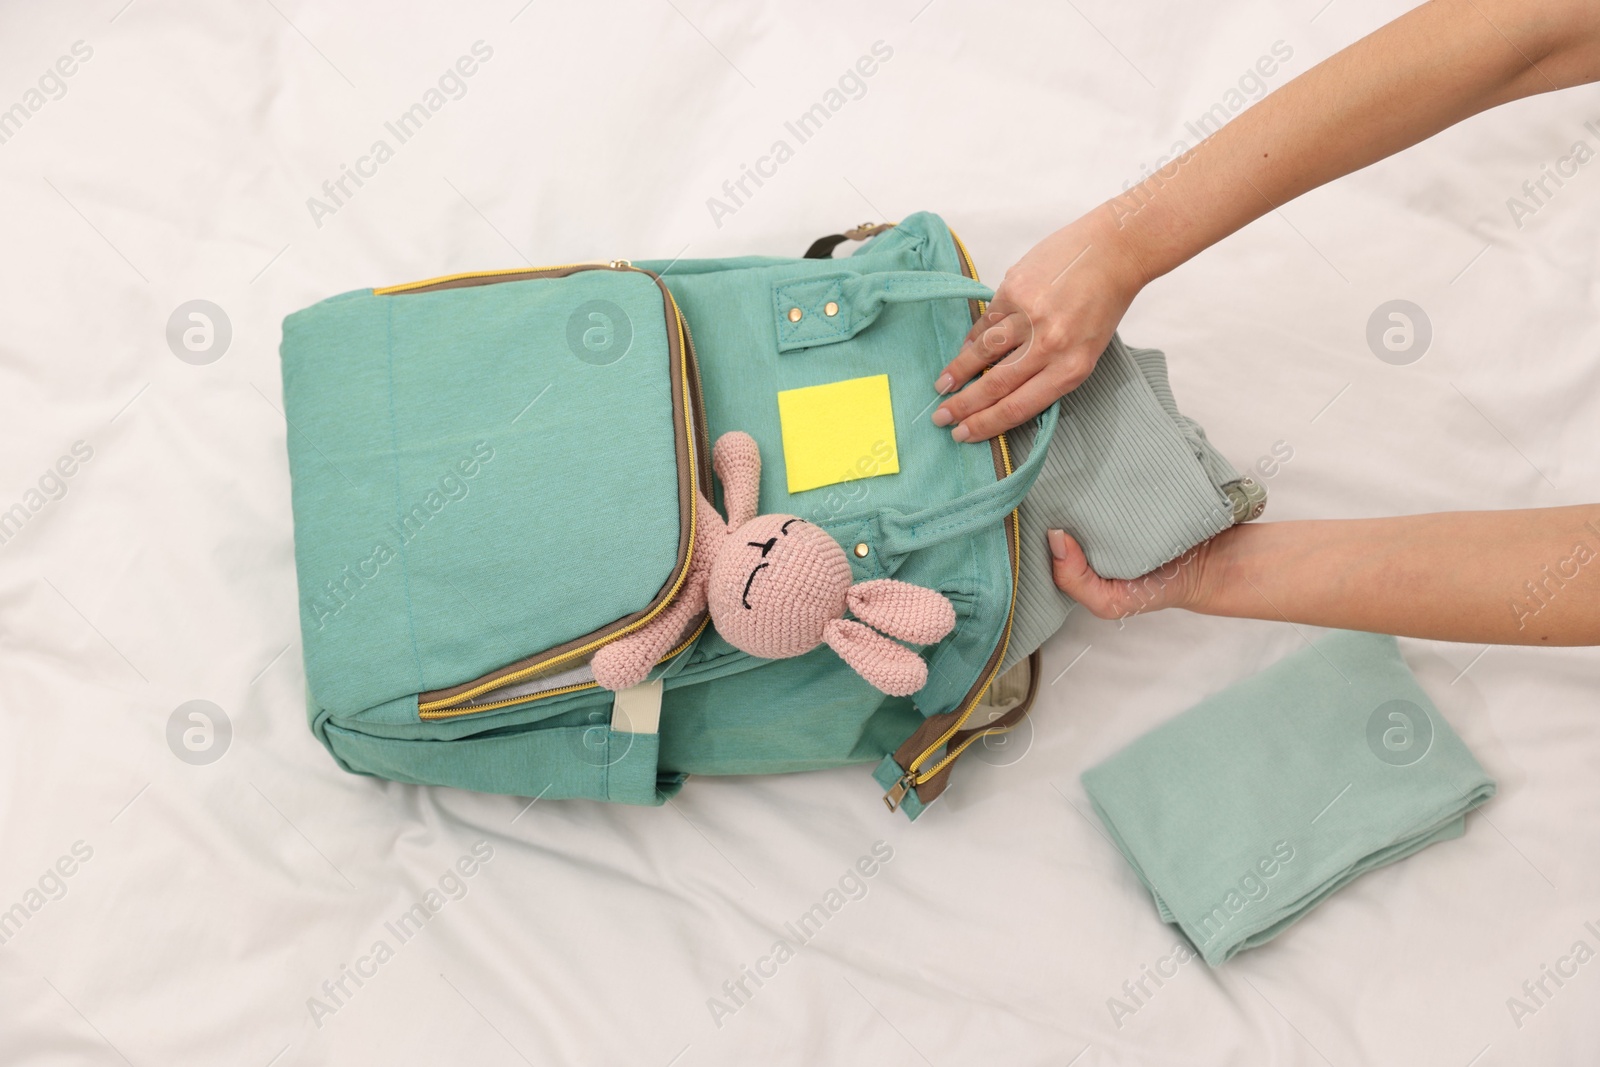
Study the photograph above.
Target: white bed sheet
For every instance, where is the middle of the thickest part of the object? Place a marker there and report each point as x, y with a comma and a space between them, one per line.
217, 899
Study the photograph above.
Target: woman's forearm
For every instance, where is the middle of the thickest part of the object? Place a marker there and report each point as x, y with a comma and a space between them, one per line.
1058, 306
1502, 577
1429, 69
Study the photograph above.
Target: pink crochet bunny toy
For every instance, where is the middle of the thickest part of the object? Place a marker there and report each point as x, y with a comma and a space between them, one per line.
776, 587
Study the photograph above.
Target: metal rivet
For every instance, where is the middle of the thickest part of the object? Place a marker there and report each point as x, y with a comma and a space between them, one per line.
830, 309
861, 550
794, 314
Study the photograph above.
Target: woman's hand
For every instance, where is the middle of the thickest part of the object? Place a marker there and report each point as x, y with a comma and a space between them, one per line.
1177, 584
1050, 319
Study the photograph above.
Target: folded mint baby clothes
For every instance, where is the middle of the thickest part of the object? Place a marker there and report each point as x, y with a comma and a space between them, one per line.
1243, 813
1130, 476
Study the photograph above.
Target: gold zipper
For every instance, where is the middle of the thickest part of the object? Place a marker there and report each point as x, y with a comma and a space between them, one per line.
473, 709
912, 776
972, 272
458, 704
406, 287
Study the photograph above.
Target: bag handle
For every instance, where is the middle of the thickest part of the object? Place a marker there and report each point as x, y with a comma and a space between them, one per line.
902, 533
824, 309
822, 247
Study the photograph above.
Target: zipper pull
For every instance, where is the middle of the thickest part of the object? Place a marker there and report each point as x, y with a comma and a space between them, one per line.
620, 264
897, 792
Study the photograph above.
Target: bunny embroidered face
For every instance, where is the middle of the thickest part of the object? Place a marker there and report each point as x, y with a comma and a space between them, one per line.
776, 583
777, 586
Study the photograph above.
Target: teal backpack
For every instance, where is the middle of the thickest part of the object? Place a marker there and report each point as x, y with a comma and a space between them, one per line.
494, 475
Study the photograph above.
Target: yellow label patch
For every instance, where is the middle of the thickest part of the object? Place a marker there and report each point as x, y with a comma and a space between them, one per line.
837, 432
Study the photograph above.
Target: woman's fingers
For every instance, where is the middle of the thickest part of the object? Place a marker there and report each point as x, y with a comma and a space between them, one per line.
1003, 338
1052, 369
1009, 369
999, 330
1003, 399
998, 309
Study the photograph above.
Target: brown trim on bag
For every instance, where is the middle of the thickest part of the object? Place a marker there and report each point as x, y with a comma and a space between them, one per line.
697, 404
1035, 663
934, 726
929, 791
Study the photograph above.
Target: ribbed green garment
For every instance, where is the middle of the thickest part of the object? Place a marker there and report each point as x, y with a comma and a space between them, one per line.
1245, 812
1130, 477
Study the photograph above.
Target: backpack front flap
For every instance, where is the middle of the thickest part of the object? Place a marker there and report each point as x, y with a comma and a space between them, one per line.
493, 475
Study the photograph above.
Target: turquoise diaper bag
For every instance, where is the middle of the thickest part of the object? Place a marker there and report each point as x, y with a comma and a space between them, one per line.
494, 475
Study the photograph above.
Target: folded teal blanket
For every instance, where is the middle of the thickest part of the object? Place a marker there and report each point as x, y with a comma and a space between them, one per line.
1246, 811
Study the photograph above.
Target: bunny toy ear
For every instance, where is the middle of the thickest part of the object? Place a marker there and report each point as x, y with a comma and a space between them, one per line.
889, 666
737, 460
900, 609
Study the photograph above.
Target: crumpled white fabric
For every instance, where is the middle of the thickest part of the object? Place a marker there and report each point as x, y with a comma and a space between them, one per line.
220, 897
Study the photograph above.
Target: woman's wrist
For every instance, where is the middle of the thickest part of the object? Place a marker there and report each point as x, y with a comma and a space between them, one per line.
1123, 262
1209, 564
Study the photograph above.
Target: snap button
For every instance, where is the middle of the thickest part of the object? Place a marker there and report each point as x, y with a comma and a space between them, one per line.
861, 550
830, 309
794, 314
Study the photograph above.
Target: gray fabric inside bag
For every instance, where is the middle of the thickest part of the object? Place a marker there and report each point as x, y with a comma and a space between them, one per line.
1134, 480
